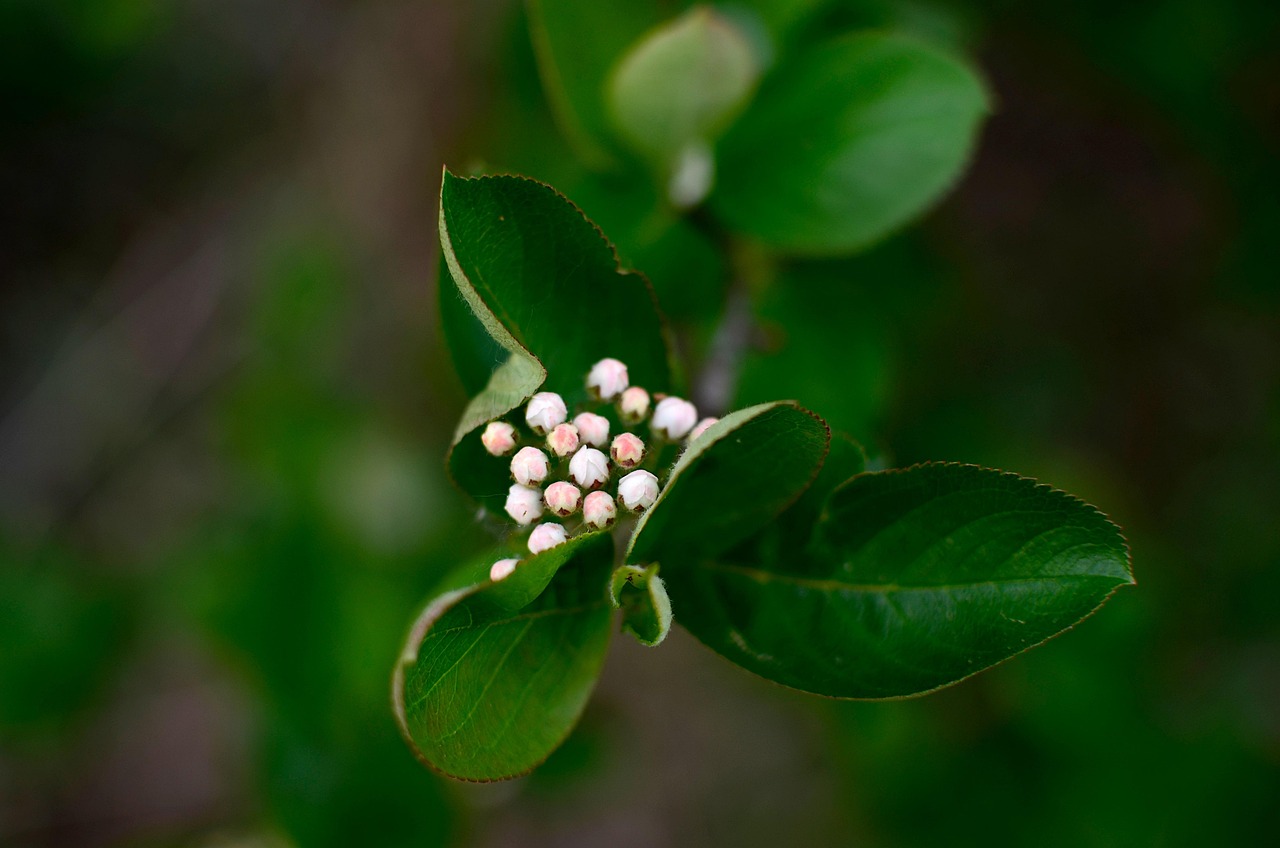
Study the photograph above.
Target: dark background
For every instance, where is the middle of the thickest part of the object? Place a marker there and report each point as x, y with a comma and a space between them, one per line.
225, 404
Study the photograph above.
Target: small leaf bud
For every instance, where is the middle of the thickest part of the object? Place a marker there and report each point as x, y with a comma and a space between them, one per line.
592, 429
589, 468
563, 439
545, 411
499, 438
598, 510
530, 466
562, 498
502, 569
702, 427
638, 491
634, 405
545, 537
673, 418
607, 379
524, 505
627, 450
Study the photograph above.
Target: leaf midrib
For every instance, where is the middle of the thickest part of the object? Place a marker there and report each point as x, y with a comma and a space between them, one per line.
760, 575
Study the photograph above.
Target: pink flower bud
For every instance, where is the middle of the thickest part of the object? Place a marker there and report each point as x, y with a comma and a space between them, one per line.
638, 491
589, 468
562, 498
530, 466
673, 418
607, 380
546, 536
563, 439
502, 569
634, 405
592, 429
499, 438
545, 411
627, 450
701, 427
524, 505
598, 510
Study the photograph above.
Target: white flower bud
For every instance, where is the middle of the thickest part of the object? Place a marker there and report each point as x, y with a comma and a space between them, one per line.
627, 450
562, 498
608, 379
499, 438
634, 405
545, 411
598, 510
546, 536
638, 490
502, 569
592, 429
673, 418
701, 427
589, 468
524, 505
563, 439
530, 466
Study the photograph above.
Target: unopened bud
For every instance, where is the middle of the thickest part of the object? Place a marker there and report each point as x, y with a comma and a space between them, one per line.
545, 411
701, 427
502, 569
589, 468
592, 429
598, 510
499, 438
563, 439
638, 491
627, 450
673, 418
530, 466
524, 505
562, 498
546, 536
634, 405
608, 379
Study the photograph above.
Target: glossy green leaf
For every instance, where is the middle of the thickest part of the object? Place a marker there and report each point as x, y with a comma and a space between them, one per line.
642, 596
913, 580
738, 475
474, 353
485, 688
846, 142
545, 285
680, 85
577, 43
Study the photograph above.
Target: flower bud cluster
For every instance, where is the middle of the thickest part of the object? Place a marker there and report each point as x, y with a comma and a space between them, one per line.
578, 459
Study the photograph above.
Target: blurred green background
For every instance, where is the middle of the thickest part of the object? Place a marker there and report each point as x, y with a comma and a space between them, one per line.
225, 405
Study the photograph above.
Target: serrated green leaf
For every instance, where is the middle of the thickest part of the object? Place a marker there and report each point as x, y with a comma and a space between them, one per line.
474, 353
738, 475
846, 142
914, 580
641, 595
487, 688
545, 285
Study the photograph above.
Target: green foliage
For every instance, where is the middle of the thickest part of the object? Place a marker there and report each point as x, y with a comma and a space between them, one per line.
847, 142
912, 580
484, 691
778, 549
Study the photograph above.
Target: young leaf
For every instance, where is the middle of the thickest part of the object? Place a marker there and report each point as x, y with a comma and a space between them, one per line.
486, 688
545, 285
914, 580
735, 477
847, 142
677, 88
641, 595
